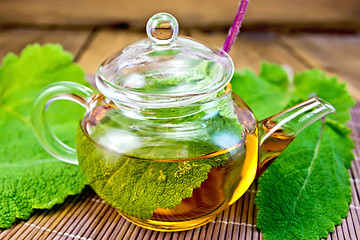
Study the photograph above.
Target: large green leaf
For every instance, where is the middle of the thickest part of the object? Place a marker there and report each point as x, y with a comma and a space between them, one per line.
29, 176
306, 191
272, 90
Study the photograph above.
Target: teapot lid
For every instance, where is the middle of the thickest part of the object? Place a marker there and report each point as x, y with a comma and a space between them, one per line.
164, 68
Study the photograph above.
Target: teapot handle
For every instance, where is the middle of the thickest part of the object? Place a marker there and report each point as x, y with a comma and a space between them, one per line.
56, 91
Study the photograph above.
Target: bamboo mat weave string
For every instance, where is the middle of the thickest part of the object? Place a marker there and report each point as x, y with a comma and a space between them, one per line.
87, 217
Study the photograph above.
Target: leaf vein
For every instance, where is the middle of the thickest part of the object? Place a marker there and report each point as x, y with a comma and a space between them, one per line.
311, 166
14, 113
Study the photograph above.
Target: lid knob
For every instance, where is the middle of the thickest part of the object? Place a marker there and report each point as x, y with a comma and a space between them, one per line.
162, 29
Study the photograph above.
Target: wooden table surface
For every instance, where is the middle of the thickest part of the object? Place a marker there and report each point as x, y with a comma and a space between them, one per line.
336, 54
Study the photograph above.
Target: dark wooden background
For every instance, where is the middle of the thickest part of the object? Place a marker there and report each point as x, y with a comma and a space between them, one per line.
344, 14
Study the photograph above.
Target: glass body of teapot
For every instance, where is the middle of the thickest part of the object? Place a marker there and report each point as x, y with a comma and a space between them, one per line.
167, 143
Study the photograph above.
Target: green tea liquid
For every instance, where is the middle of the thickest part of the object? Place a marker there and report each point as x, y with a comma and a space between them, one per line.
223, 185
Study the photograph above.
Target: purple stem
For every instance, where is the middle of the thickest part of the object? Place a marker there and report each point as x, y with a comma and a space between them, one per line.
235, 27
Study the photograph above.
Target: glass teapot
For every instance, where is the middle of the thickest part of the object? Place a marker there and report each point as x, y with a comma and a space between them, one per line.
167, 143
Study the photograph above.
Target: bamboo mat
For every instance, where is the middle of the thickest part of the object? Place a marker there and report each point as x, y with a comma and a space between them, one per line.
87, 217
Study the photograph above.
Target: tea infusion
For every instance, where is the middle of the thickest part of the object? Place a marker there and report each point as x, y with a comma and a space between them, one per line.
212, 163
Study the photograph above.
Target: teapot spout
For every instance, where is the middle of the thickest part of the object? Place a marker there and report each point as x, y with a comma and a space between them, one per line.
278, 131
